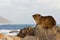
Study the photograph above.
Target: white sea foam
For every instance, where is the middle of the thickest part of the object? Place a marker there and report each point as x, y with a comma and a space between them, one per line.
6, 32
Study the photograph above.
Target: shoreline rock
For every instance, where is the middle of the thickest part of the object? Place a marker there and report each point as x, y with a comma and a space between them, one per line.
26, 31
40, 34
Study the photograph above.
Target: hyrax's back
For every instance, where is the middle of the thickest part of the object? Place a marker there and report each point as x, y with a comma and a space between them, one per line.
47, 21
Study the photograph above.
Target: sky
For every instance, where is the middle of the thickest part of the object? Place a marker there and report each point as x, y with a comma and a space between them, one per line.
21, 11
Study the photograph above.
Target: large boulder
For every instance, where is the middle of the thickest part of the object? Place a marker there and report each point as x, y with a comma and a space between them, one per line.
45, 34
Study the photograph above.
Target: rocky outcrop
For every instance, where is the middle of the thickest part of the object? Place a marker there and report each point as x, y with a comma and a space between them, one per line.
45, 34
7, 37
29, 38
39, 32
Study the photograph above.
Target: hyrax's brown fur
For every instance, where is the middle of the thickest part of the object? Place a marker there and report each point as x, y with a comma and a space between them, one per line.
44, 21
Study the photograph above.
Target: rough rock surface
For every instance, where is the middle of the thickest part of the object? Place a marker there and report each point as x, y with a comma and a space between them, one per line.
7, 37
26, 31
40, 34
29, 38
45, 34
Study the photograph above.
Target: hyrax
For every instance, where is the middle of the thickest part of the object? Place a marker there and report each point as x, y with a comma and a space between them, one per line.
44, 21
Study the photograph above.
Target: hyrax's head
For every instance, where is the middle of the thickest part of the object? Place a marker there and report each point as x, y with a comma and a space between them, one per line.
36, 17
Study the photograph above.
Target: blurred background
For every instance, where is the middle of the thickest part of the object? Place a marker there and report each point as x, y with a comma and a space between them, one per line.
21, 11
17, 14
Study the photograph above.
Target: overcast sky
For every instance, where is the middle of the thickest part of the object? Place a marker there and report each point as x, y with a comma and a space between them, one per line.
21, 11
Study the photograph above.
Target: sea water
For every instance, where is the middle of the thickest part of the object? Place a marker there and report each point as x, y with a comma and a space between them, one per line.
16, 26
5, 29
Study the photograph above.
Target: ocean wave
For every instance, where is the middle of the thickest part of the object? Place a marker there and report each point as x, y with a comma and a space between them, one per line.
6, 32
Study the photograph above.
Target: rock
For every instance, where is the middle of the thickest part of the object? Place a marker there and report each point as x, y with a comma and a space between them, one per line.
40, 33
29, 38
58, 33
13, 38
52, 33
26, 31
8, 37
58, 29
1, 35
45, 34
13, 31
